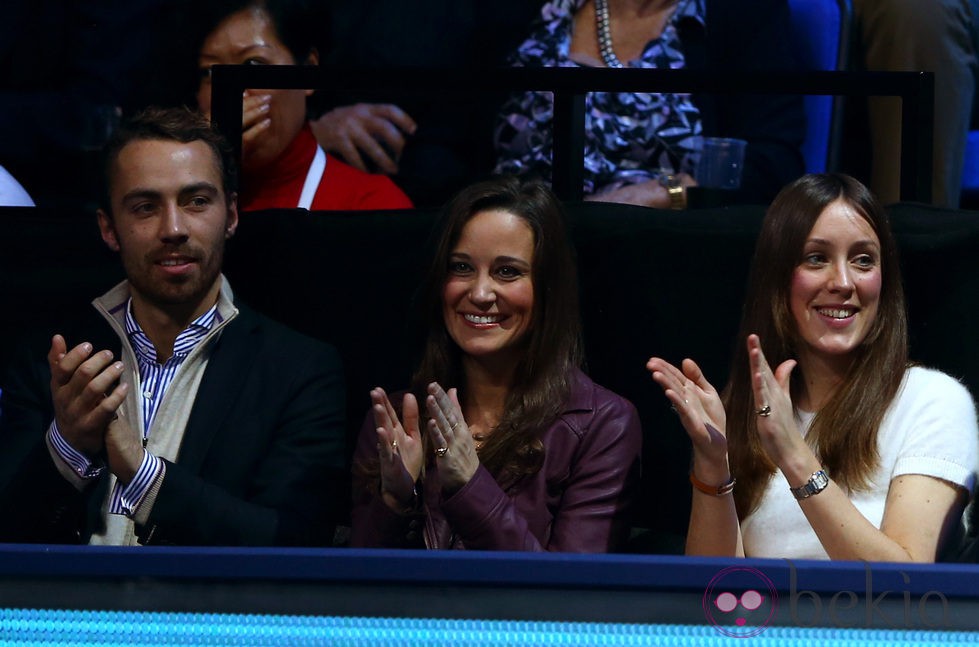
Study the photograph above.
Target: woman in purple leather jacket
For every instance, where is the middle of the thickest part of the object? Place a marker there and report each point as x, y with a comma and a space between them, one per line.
502, 443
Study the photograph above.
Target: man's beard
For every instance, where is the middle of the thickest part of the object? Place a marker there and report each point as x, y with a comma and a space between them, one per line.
176, 292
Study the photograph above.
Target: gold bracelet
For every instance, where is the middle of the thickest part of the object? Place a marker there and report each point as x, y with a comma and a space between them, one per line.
720, 490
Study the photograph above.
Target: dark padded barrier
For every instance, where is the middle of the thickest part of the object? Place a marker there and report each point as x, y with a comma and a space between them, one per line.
652, 282
478, 586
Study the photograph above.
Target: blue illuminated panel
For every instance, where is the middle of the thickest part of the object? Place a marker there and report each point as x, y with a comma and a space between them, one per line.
108, 628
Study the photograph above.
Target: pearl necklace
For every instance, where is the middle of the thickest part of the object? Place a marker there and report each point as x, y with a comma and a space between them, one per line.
605, 34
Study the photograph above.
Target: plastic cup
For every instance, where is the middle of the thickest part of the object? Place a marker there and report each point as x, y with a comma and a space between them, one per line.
721, 163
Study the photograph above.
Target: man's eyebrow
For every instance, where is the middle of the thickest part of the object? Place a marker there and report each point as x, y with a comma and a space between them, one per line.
154, 194
141, 194
199, 187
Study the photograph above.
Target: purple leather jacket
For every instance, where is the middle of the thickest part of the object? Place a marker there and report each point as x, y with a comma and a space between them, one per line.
579, 501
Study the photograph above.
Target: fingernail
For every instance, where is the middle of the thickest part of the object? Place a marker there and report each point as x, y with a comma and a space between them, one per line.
87, 347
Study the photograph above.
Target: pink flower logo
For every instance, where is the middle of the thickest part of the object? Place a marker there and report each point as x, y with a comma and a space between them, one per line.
740, 601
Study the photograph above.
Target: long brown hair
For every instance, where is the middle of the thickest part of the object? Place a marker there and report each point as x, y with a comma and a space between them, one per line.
552, 347
844, 431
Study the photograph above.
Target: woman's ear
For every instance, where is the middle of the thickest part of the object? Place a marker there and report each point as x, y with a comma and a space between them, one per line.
312, 59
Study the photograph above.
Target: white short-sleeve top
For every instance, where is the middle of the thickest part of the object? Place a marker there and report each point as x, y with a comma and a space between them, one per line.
929, 429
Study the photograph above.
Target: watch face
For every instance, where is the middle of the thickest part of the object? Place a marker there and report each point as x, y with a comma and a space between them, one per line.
819, 481
816, 484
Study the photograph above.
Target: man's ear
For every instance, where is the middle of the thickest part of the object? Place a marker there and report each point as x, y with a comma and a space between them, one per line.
232, 223
108, 229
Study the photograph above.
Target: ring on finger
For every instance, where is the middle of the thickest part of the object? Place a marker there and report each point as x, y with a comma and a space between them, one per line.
764, 411
673, 406
442, 451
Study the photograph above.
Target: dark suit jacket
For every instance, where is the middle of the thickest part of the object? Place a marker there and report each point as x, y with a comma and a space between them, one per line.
262, 461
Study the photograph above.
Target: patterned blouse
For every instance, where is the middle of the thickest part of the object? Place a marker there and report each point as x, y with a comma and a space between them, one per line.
629, 137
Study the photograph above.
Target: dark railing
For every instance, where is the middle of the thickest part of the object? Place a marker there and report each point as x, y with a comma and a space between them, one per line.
569, 85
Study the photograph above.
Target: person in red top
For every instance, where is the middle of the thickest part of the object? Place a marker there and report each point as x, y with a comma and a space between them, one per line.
282, 165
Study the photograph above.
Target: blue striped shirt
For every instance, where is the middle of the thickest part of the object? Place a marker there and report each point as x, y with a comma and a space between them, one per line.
155, 378
77, 461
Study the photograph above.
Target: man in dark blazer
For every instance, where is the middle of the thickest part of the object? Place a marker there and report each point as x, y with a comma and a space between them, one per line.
172, 414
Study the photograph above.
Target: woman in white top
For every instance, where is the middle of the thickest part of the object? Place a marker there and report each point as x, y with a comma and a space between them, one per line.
840, 449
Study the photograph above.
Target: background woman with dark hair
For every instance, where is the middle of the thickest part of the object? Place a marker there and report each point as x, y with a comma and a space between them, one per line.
523, 452
840, 449
282, 165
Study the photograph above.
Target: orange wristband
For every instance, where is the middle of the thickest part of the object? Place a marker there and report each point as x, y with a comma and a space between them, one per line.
720, 490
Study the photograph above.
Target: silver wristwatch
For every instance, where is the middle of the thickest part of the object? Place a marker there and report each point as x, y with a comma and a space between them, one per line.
816, 484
